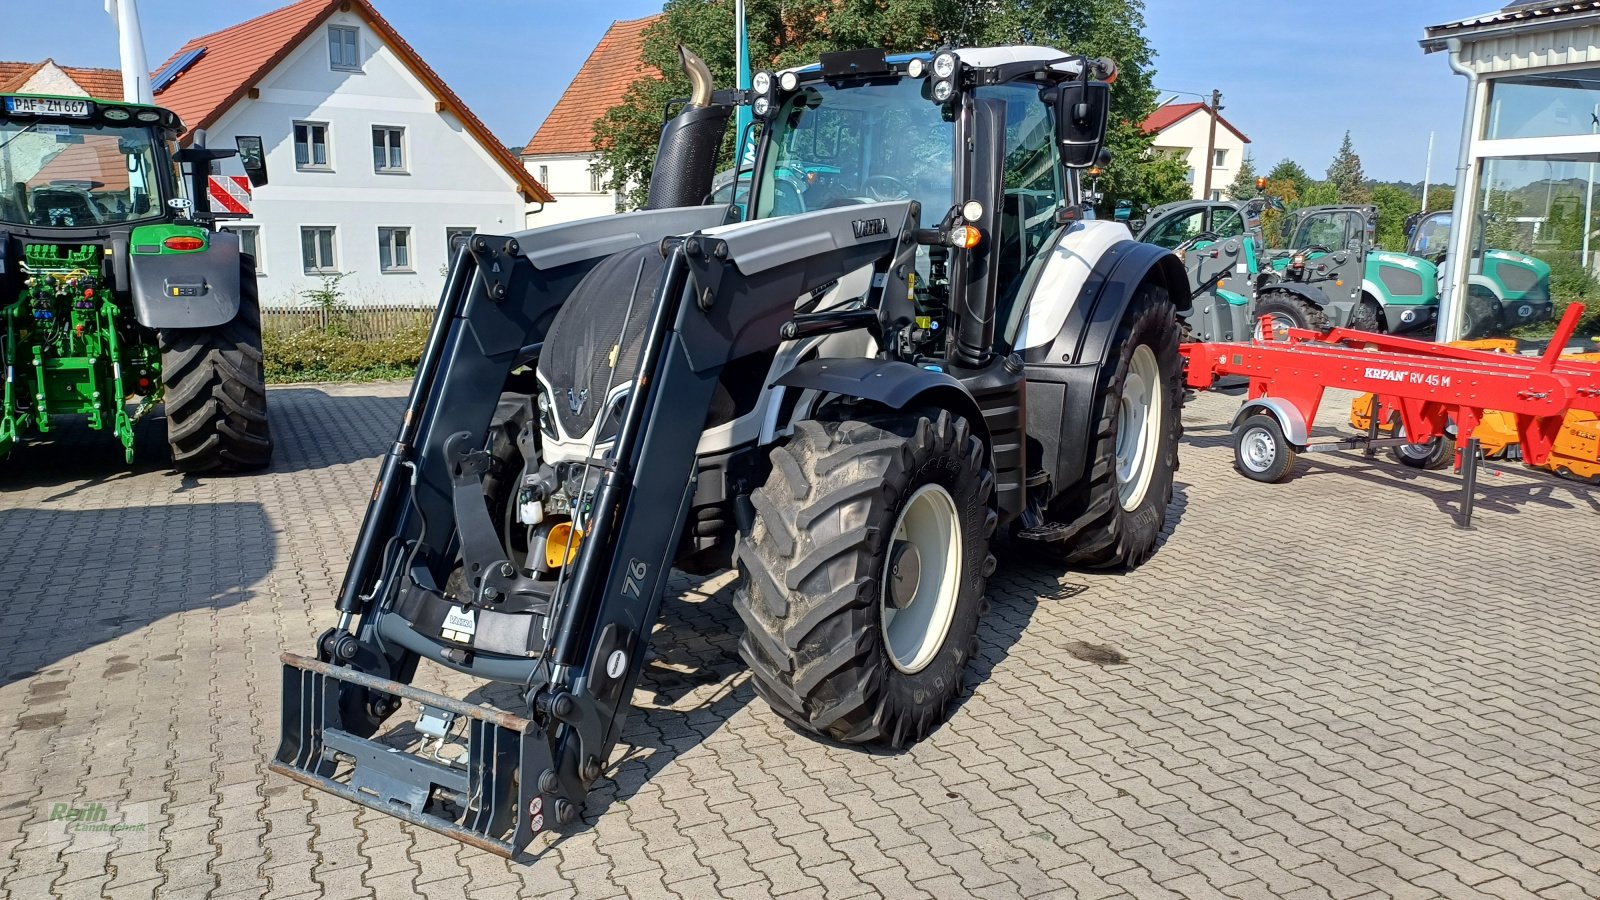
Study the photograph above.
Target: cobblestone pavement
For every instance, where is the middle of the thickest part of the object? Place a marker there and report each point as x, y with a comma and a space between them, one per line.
1328, 691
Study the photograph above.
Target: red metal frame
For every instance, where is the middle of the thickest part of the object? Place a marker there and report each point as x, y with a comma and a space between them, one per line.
1427, 384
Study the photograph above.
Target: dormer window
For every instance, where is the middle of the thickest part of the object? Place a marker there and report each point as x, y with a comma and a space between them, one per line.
344, 48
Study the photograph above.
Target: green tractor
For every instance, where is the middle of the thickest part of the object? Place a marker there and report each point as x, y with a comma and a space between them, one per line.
116, 291
1220, 243
1334, 250
1505, 290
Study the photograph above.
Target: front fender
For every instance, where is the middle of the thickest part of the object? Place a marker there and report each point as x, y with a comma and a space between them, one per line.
1310, 294
896, 385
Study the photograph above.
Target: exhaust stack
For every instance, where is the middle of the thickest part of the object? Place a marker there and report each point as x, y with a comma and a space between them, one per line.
686, 158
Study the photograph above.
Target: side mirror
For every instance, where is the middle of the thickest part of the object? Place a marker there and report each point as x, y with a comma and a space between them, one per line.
252, 158
1082, 108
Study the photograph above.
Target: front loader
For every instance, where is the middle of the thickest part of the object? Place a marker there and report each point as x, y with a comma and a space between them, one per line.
847, 386
117, 290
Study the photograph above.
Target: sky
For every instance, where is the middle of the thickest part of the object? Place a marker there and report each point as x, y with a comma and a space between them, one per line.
1294, 76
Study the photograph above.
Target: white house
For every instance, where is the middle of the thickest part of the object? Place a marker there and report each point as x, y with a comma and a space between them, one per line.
1184, 130
561, 153
374, 163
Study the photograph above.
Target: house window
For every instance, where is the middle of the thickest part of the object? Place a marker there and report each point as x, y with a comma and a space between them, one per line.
1216, 195
394, 249
316, 250
1221, 160
597, 180
544, 176
1188, 175
450, 236
388, 153
249, 243
311, 145
344, 48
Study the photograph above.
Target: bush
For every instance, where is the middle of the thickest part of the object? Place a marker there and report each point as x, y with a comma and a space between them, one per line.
311, 354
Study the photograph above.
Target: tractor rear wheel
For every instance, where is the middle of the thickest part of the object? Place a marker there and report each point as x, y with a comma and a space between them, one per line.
1288, 310
863, 575
1138, 418
216, 390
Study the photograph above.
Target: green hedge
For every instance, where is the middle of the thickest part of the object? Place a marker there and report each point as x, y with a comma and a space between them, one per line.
312, 354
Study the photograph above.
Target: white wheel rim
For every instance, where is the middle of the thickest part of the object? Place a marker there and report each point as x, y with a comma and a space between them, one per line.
913, 635
1257, 450
1139, 427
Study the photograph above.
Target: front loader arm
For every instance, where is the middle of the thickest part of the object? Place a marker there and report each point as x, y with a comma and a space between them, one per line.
723, 294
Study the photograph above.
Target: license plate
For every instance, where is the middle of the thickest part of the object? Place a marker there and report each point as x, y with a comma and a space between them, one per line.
47, 106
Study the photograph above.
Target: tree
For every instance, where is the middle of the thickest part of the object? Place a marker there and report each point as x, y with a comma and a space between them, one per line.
1346, 176
788, 32
1243, 186
1290, 171
1441, 197
1395, 205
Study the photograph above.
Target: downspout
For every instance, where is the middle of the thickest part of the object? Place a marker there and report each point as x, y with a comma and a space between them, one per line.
1452, 302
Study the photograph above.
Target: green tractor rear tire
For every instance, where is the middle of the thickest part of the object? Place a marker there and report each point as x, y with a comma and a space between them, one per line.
216, 390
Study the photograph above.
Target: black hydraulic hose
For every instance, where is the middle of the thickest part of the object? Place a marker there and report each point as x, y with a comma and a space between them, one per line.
391, 477
595, 556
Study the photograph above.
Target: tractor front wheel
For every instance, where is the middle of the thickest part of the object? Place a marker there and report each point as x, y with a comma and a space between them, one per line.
1288, 310
863, 574
216, 390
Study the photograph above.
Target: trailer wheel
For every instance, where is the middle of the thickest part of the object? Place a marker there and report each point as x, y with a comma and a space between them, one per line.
1138, 417
1287, 311
1260, 451
216, 391
863, 574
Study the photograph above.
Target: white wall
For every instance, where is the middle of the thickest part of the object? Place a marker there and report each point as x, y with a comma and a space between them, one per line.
452, 180
567, 178
1190, 135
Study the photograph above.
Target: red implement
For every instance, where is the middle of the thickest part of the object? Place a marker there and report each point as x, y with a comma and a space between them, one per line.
1428, 386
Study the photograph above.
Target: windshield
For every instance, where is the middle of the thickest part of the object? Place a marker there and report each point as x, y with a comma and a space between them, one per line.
859, 144
77, 175
1432, 236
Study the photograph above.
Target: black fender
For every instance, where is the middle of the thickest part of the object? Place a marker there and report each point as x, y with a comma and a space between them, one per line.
206, 282
1063, 374
1310, 294
896, 385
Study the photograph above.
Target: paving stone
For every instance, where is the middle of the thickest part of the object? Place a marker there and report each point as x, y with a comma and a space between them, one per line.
1286, 724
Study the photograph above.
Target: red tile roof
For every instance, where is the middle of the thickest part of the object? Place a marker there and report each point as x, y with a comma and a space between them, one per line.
599, 85
105, 84
1171, 114
237, 58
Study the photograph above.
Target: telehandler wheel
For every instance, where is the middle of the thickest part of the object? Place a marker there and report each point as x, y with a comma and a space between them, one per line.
1260, 451
1288, 311
1368, 316
216, 389
1139, 421
863, 575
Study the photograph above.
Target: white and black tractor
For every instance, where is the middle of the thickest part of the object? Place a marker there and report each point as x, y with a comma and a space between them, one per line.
898, 340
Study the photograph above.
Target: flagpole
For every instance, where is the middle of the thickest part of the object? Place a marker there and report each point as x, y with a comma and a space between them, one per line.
130, 47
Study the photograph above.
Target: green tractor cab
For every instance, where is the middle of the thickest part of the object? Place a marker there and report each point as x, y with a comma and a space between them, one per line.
116, 292
1505, 289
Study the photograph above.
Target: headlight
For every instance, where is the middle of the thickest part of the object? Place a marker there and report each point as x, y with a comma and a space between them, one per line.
761, 106
762, 82
546, 420
942, 91
789, 81
944, 65
915, 68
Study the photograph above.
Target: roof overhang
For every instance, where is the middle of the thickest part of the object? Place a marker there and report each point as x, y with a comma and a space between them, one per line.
1519, 20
